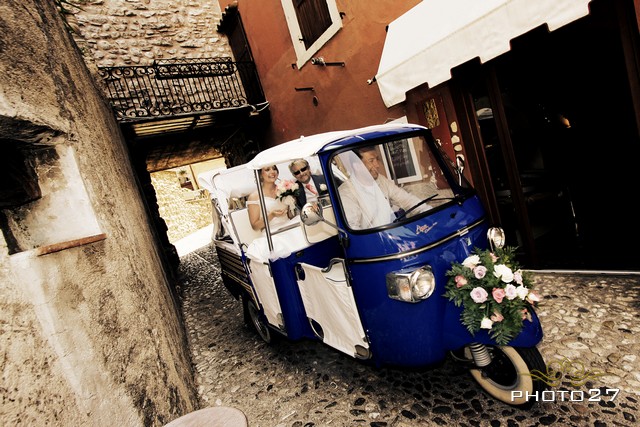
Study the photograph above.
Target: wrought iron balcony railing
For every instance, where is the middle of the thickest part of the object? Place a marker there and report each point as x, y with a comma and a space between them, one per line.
174, 87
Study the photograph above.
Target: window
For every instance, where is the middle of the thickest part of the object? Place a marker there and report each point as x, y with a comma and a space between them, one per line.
370, 198
313, 18
401, 162
51, 207
400, 158
18, 179
311, 23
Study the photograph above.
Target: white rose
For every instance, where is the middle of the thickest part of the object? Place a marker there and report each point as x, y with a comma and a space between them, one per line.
486, 323
323, 187
471, 261
503, 272
522, 292
510, 292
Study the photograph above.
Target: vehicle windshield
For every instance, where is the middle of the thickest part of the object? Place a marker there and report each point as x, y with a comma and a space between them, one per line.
389, 182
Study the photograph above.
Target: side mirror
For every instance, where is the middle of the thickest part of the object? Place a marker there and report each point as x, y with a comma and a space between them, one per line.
460, 163
459, 167
311, 214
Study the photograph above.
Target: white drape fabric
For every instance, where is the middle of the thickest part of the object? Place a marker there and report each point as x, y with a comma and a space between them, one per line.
364, 203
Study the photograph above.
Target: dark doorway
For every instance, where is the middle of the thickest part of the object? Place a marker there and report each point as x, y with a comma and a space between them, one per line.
560, 139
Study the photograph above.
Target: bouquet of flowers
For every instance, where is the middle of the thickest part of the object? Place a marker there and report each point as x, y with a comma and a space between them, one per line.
287, 192
494, 292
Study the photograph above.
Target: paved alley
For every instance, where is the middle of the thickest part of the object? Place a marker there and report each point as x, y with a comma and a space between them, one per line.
591, 320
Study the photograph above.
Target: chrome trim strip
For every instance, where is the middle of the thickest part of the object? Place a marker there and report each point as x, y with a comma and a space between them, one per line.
400, 255
283, 229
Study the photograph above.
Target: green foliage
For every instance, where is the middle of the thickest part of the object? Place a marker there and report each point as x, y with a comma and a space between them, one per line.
494, 292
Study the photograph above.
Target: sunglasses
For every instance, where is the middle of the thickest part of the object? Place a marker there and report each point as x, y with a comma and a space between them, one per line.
298, 172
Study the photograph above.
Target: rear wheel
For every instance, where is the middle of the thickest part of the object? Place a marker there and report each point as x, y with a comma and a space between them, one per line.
257, 320
511, 375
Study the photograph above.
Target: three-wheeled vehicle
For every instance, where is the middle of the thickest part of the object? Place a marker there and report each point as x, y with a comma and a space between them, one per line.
363, 267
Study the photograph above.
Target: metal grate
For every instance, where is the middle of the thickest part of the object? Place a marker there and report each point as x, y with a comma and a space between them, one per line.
176, 87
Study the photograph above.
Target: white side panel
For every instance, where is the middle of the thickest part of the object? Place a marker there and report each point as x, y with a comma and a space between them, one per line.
328, 300
266, 291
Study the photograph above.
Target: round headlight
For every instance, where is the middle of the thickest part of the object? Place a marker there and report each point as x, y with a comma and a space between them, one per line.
496, 237
423, 282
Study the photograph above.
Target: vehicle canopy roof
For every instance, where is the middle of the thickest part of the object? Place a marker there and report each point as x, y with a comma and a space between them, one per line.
306, 146
226, 184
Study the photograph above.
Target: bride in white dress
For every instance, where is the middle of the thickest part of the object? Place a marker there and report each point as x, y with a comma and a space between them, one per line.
277, 212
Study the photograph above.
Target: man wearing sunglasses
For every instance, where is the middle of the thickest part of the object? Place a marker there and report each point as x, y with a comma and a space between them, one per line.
313, 185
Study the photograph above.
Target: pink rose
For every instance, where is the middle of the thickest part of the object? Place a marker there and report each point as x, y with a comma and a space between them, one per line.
517, 277
460, 281
497, 317
498, 294
479, 295
480, 271
532, 297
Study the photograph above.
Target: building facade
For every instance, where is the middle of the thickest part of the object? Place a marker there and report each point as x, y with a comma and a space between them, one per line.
92, 333
541, 101
535, 98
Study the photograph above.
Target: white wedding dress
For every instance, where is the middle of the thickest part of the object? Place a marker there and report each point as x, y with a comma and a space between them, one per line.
283, 244
273, 205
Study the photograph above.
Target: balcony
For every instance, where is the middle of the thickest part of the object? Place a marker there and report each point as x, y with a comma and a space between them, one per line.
180, 109
190, 91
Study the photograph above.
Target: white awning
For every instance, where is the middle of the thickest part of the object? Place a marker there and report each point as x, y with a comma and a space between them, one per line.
424, 44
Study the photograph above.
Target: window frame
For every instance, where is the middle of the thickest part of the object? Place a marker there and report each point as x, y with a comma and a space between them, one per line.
303, 55
410, 151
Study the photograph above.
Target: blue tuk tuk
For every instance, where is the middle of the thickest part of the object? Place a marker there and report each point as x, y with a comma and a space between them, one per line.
364, 266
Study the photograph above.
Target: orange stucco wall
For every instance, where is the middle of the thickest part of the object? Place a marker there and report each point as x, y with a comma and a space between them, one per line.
344, 99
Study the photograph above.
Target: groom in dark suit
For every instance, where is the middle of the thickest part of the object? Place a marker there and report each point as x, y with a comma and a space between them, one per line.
311, 186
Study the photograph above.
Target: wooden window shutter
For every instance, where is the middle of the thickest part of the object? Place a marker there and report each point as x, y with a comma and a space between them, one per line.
313, 18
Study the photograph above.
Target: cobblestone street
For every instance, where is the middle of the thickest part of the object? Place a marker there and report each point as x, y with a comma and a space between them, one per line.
591, 320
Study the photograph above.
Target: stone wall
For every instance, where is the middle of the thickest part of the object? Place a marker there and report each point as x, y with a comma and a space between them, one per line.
185, 211
136, 32
90, 331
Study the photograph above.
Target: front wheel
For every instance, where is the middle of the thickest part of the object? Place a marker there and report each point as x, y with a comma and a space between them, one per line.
513, 375
256, 319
